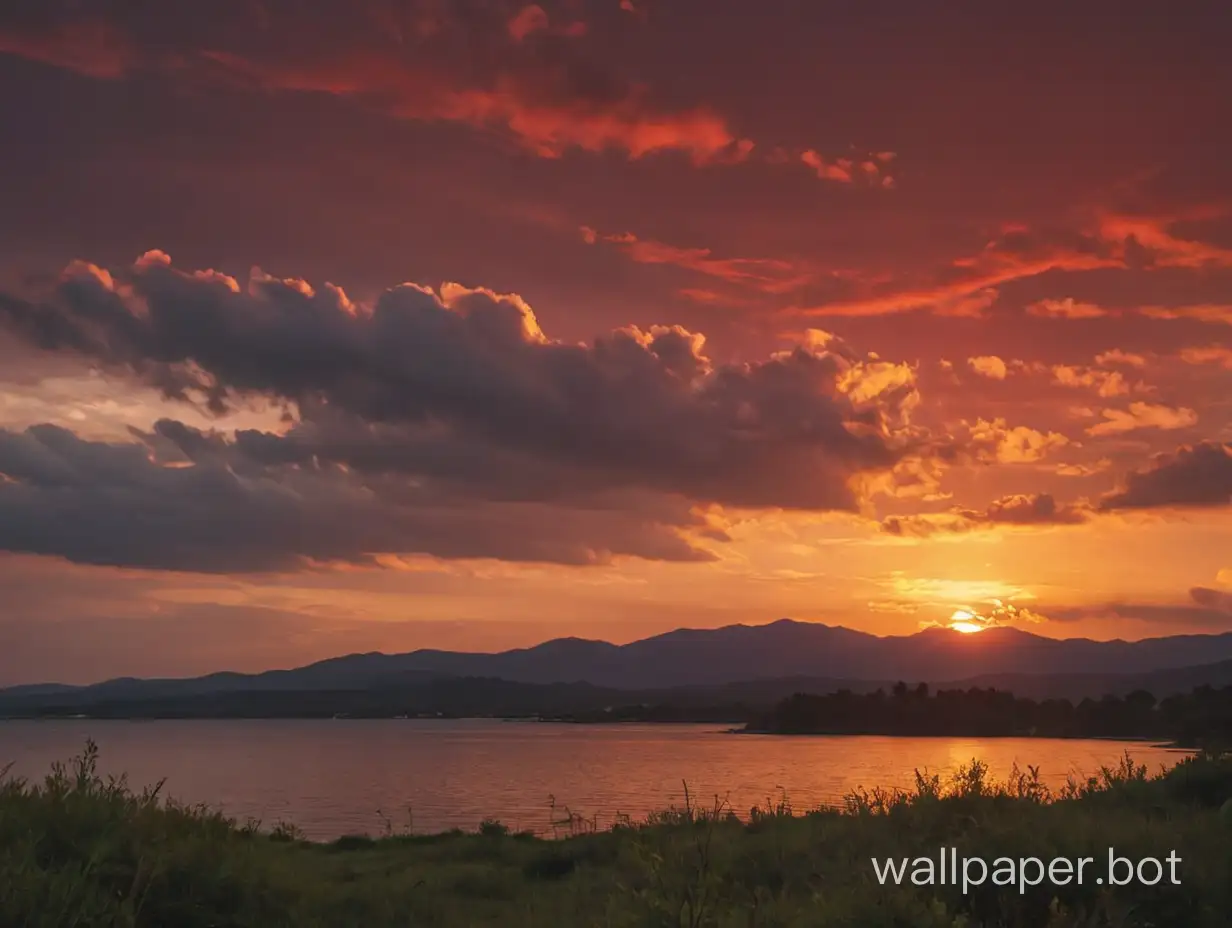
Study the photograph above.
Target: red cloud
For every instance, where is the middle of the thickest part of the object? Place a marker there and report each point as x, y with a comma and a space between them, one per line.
710, 297
840, 170
967, 286
1212, 354
1144, 416
537, 106
547, 102
1147, 240
491, 78
531, 18
90, 47
1205, 312
1067, 309
771, 275
871, 169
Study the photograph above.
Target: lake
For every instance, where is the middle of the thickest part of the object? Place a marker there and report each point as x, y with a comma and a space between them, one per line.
335, 777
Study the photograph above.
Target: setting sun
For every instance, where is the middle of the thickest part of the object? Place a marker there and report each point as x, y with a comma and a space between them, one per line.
961, 621
967, 628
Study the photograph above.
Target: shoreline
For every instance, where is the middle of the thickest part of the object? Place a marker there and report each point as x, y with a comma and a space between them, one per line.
1149, 740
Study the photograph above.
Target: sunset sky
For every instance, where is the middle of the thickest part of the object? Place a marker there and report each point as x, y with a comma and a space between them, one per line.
387, 324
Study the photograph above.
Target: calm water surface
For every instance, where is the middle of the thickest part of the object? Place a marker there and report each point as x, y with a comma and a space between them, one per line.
344, 776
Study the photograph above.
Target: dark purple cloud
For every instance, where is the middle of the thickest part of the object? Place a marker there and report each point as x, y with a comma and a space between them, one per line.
116, 504
1207, 608
1196, 475
1039, 509
465, 381
441, 423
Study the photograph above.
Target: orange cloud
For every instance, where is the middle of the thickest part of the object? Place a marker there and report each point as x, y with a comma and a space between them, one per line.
537, 94
967, 286
540, 107
943, 301
1019, 366
1203, 312
839, 170
1117, 356
1017, 445
540, 101
911, 478
1212, 354
1084, 470
771, 275
1143, 416
710, 297
1147, 240
989, 366
1105, 383
1018, 510
1067, 308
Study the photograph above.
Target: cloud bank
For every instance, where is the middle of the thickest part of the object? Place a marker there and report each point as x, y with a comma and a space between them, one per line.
444, 422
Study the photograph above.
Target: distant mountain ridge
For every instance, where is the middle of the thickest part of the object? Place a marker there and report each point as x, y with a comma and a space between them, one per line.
735, 654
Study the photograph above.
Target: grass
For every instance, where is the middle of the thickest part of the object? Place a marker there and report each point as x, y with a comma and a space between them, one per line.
77, 849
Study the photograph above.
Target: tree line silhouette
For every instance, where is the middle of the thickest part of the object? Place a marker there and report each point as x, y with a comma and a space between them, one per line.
1201, 716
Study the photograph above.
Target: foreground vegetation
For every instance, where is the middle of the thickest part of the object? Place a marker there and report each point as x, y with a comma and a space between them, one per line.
80, 850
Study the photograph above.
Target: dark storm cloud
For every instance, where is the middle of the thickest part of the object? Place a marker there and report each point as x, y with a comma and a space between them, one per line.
1195, 475
1198, 476
1207, 609
1212, 599
463, 385
441, 423
1038, 509
115, 504
1032, 510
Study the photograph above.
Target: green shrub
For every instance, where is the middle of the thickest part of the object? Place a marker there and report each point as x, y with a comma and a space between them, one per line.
77, 849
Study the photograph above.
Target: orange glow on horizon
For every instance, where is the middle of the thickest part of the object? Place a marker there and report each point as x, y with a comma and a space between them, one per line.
967, 628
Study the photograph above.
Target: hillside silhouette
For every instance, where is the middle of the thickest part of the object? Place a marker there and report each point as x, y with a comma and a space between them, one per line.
689, 673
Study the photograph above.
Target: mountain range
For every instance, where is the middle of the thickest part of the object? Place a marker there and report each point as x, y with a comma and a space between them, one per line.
737, 663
